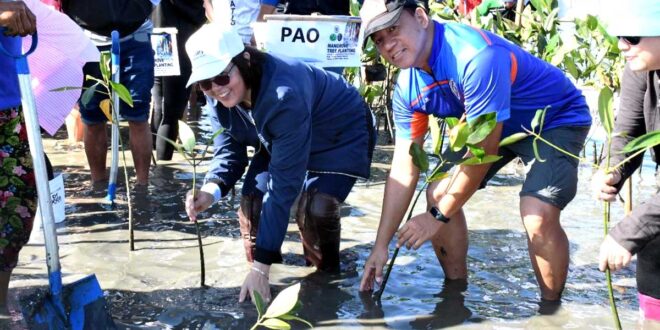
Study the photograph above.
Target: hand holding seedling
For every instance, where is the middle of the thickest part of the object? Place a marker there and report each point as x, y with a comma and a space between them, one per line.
604, 185
418, 230
196, 202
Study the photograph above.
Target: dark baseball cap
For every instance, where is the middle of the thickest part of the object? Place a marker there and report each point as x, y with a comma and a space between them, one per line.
381, 14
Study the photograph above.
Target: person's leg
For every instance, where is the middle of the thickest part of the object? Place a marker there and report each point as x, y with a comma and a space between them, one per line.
4, 287
549, 186
318, 218
137, 75
140, 139
451, 243
96, 150
548, 245
249, 212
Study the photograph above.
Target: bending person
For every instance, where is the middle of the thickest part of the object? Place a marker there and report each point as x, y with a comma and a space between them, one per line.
454, 70
313, 135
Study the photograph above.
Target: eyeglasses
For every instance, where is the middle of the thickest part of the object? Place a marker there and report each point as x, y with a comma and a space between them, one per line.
221, 80
631, 40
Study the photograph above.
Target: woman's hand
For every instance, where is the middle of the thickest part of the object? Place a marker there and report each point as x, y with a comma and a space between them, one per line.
202, 202
256, 280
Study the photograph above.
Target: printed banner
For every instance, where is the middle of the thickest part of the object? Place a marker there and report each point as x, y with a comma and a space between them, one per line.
56, 187
326, 41
166, 54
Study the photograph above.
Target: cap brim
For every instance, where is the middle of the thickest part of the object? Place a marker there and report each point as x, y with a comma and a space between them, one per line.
206, 71
382, 21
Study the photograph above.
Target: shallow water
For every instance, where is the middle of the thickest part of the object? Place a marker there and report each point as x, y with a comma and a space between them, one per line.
157, 285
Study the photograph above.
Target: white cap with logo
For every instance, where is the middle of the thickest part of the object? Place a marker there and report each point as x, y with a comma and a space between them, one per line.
210, 51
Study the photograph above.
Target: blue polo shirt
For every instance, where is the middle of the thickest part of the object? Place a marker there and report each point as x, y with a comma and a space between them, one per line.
475, 72
10, 93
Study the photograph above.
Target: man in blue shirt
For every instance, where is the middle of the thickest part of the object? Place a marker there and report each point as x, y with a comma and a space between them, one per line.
454, 70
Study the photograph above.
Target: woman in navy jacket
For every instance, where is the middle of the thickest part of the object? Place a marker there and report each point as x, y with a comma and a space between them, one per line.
312, 133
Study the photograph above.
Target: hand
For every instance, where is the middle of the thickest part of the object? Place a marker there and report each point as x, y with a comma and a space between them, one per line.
603, 185
256, 281
418, 230
612, 255
373, 268
17, 18
202, 202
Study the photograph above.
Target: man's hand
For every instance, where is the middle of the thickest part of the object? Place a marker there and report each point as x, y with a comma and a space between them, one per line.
17, 18
202, 202
373, 268
612, 255
256, 280
603, 185
418, 230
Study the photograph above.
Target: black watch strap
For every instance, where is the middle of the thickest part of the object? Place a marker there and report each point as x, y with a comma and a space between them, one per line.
435, 212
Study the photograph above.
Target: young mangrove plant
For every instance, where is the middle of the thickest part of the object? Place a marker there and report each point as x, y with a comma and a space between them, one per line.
194, 158
462, 135
283, 308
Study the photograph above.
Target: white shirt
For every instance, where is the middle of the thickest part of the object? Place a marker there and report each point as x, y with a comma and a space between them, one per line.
237, 14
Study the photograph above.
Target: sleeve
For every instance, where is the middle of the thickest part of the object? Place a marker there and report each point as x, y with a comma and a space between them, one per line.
487, 84
630, 122
229, 158
290, 129
640, 227
408, 123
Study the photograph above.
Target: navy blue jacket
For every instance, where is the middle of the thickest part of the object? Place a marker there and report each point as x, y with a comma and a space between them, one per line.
307, 119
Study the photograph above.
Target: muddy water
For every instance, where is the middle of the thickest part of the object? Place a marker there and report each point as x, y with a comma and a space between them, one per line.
157, 285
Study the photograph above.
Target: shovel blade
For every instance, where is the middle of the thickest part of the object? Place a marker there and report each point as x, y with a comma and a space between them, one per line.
83, 301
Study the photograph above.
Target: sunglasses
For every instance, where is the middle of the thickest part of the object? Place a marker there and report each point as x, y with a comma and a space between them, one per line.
221, 80
631, 40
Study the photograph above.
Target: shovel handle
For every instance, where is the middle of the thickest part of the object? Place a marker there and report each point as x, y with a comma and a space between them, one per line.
33, 46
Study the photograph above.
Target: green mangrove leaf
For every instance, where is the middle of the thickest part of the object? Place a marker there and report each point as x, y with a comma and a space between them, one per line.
122, 92
105, 107
437, 176
451, 122
63, 89
290, 317
481, 128
104, 65
284, 302
419, 157
435, 135
536, 151
177, 146
215, 135
458, 136
647, 140
476, 151
485, 160
88, 94
605, 109
187, 136
259, 303
513, 138
571, 67
275, 324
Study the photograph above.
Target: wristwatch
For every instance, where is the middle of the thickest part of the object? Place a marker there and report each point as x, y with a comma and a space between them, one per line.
435, 212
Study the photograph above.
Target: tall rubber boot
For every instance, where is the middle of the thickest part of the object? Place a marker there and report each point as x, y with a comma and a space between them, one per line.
248, 218
320, 229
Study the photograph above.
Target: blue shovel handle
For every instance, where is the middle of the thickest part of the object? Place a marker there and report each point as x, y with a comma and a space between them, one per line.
21, 59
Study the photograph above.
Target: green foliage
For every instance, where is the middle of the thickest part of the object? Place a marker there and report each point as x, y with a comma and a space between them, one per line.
282, 309
605, 110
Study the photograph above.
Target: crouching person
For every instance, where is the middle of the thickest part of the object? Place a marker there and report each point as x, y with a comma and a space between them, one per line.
313, 136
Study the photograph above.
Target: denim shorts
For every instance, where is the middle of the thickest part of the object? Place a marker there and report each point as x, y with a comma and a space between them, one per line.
137, 75
553, 181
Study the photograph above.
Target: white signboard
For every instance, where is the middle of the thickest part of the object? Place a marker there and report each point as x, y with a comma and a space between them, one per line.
326, 41
166, 54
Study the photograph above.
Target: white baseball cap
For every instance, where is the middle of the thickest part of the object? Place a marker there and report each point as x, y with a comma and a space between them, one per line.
210, 51
632, 18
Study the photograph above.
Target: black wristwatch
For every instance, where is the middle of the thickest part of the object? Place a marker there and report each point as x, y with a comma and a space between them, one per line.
435, 212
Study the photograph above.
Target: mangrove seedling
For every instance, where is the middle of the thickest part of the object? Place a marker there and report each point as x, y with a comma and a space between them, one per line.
281, 310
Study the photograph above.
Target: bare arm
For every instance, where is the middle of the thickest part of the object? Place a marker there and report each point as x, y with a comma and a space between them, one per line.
265, 10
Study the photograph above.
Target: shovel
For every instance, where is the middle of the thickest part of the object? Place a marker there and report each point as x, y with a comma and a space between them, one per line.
114, 136
79, 305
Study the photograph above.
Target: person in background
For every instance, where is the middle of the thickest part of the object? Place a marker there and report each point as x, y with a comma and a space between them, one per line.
455, 70
639, 113
131, 18
18, 193
170, 94
313, 134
